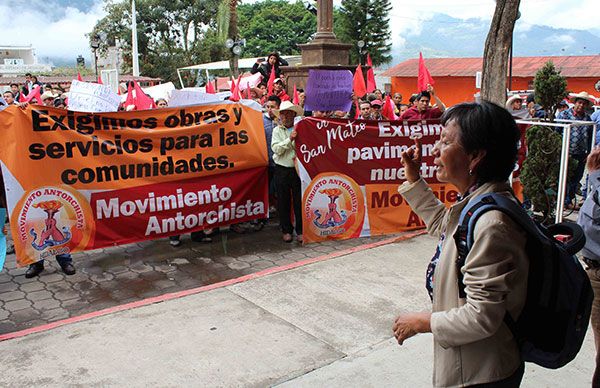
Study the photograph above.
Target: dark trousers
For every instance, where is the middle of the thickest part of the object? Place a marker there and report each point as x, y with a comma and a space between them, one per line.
287, 182
62, 260
573, 183
512, 381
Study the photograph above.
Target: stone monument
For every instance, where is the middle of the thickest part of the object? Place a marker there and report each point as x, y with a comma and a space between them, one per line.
325, 51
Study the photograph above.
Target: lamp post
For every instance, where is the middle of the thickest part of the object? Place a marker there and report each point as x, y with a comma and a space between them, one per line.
95, 44
236, 48
361, 45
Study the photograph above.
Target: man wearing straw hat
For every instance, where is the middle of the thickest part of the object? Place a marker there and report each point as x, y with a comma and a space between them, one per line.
287, 181
580, 141
514, 105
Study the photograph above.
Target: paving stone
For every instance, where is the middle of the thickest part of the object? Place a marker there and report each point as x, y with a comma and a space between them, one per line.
46, 304
17, 305
12, 295
180, 261
85, 285
165, 268
23, 280
31, 287
122, 294
281, 262
7, 327
7, 287
225, 260
153, 275
118, 269
34, 323
294, 256
237, 265
141, 268
162, 284
76, 278
24, 315
55, 314
52, 278
66, 295
4, 314
104, 277
74, 304
126, 276
262, 264
39, 295
249, 258
59, 287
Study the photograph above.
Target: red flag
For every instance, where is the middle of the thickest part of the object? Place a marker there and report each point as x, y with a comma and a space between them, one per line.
358, 83
79, 77
271, 82
357, 114
129, 100
34, 93
371, 85
210, 88
388, 109
235, 95
295, 96
424, 76
100, 80
142, 101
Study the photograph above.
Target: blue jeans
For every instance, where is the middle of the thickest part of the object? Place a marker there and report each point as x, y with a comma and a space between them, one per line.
62, 260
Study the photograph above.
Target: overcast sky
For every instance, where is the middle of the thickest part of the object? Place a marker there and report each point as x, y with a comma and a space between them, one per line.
57, 31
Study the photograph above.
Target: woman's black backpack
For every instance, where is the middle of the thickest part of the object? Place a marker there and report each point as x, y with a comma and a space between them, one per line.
554, 320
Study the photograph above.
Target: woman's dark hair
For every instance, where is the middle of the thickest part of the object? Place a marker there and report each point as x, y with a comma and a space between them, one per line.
276, 55
488, 127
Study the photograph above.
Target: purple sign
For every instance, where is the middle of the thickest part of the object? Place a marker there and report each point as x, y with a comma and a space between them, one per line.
329, 90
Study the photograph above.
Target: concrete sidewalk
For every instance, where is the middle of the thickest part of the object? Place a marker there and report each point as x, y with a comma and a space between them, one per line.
322, 324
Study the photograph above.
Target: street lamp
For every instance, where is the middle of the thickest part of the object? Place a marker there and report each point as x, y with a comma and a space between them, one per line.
95, 44
236, 48
361, 45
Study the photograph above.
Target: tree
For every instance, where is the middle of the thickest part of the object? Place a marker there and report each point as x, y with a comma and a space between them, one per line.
497, 48
275, 25
550, 88
366, 20
170, 33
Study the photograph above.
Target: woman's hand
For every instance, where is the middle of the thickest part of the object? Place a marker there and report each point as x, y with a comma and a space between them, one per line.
411, 160
293, 135
408, 325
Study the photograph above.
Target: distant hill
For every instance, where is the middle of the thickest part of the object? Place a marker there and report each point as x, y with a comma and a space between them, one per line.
445, 36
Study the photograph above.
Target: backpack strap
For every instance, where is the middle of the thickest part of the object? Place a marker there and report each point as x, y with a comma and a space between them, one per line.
481, 204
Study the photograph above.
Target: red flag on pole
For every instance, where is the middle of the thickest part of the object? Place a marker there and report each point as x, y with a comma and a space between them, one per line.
271, 82
358, 83
210, 88
100, 80
235, 95
34, 93
388, 109
371, 85
295, 98
79, 77
142, 101
424, 76
357, 114
129, 100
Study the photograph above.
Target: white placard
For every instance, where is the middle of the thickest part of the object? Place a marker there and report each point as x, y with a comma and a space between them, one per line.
159, 91
191, 97
252, 81
90, 97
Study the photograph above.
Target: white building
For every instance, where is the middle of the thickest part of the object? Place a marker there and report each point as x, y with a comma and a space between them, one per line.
19, 60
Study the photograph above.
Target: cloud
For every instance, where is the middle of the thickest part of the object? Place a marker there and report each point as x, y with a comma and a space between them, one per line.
52, 34
566, 39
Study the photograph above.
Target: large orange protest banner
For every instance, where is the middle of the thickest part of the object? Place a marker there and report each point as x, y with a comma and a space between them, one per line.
76, 181
350, 172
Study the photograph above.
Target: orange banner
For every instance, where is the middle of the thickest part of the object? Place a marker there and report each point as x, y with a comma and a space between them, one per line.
71, 178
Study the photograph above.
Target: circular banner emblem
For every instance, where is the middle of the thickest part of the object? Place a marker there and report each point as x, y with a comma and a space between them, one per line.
50, 221
334, 208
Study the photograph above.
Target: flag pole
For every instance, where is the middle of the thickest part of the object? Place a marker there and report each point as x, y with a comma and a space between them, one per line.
134, 42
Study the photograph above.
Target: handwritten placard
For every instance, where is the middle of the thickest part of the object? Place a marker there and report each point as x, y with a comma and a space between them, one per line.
90, 97
328, 90
191, 97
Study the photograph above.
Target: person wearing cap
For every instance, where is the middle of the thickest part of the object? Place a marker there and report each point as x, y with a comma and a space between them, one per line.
376, 110
514, 105
48, 98
580, 141
279, 91
287, 180
422, 110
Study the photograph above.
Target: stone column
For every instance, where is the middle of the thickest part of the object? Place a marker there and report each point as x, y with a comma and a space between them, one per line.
325, 20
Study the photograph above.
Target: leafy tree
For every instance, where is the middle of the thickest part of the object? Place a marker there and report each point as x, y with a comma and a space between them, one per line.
275, 25
550, 88
170, 33
366, 20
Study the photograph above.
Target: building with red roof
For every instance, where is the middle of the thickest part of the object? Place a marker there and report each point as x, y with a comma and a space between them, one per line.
455, 78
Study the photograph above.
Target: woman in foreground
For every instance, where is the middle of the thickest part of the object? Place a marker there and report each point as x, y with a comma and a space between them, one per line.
473, 347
